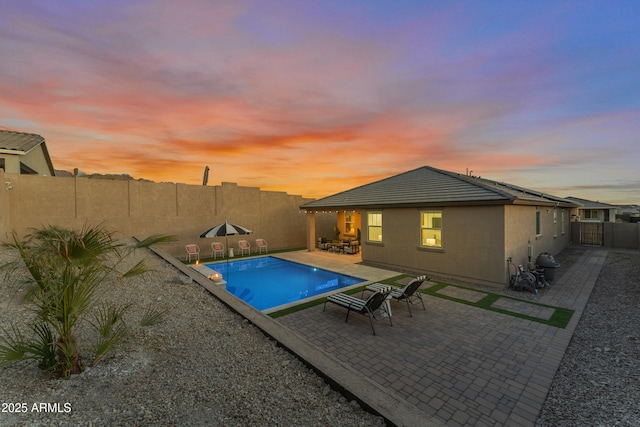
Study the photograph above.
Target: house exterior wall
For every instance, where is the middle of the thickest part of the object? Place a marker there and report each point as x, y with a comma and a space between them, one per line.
472, 243
6, 187
140, 208
598, 215
11, 162
522, 243
476, 241
37, 161
319, 225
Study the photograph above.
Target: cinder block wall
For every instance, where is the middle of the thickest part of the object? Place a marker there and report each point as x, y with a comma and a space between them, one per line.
622, 235
141, 208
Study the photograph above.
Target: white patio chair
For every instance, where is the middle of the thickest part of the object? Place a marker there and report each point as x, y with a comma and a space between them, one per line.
217, 248
261, 244
193, 251
244, 246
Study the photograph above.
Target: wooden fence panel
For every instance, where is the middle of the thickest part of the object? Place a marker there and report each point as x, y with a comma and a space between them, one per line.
591, 233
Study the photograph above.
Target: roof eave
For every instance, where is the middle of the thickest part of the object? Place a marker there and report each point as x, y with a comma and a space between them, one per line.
404, 205
14, 152
551, 203
513, 201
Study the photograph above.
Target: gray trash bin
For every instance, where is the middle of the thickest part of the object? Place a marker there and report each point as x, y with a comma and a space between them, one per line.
549, 264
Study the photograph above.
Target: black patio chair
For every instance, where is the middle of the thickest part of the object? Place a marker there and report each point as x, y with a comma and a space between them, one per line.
409, 293
365, 307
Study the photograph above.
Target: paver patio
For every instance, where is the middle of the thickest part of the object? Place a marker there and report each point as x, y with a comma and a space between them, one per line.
460, 365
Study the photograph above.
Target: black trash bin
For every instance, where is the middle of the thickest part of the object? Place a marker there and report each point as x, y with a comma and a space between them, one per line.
546, 261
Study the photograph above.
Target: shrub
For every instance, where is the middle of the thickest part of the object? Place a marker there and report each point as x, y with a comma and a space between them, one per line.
66, 269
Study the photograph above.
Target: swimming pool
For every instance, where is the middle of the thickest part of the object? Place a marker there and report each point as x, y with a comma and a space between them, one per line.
268, 282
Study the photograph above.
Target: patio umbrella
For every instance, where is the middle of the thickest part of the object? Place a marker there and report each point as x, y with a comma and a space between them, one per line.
223, 230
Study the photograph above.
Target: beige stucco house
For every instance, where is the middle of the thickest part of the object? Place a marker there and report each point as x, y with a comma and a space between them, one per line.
447, 224
590, 211
24, 153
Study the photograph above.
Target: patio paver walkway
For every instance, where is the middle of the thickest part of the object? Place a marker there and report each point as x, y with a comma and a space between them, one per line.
458, 364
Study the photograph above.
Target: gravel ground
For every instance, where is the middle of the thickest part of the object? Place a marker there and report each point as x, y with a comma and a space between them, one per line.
203, 366
207, 366
598, 383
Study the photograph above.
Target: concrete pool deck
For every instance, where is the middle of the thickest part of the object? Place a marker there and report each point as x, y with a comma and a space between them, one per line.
452, 364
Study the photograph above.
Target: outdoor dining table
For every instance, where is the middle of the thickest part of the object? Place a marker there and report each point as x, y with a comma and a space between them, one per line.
336, 247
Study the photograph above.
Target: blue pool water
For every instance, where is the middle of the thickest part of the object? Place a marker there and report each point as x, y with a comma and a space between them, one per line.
268, 282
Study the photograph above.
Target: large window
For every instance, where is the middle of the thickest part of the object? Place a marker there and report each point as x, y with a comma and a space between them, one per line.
374, 226
431, 229
350, 223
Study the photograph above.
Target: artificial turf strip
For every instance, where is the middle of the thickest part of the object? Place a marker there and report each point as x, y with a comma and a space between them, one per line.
295, 308
559, 319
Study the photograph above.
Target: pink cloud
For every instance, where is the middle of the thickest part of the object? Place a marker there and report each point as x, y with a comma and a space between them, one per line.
272, 98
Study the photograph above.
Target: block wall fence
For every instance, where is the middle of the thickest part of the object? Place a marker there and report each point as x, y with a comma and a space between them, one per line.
142, 208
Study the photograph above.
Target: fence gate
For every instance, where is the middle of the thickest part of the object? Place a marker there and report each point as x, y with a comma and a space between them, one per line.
591, 233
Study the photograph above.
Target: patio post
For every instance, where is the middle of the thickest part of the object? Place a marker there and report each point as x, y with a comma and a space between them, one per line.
311, 231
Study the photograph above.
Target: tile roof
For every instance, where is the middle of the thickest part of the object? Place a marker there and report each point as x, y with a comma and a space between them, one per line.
590, 204
430, 186
20, 142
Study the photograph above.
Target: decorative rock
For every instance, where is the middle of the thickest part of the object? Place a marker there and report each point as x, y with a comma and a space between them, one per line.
190, 370
182, 279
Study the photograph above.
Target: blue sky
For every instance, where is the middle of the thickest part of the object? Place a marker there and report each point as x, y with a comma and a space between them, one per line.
316, 97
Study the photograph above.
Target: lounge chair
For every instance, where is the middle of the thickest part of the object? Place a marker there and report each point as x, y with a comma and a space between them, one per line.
244, 246
261, 244
193, 251
409, 293
365, 307
217, 248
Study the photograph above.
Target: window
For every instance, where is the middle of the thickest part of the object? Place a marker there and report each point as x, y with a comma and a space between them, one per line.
538, 230
555, 222
431, 229
590, 214
349, 223
562, 220
374, 226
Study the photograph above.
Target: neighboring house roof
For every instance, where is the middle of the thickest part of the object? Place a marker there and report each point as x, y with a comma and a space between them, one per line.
430, 186
632, 209
21, 143
64, 173
18, 142
590, 204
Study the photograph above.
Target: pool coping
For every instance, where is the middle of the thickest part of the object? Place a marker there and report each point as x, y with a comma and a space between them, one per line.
371, 395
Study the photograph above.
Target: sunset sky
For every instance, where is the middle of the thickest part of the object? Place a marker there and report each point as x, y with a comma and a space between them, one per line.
316, 97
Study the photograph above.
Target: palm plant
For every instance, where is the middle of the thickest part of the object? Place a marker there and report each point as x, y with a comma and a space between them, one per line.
66, 269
